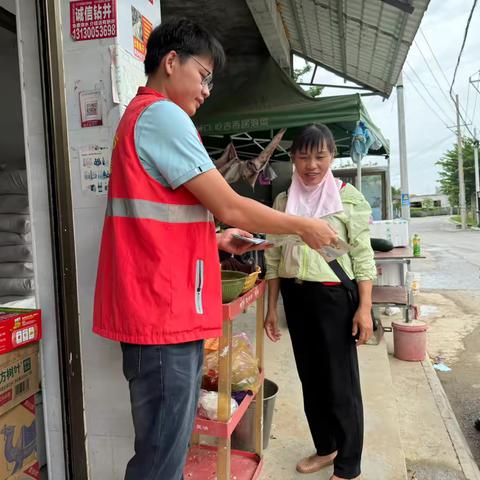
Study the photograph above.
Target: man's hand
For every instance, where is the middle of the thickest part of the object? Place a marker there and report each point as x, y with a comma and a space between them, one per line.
318, 233
363, 325
228, 243
271, 326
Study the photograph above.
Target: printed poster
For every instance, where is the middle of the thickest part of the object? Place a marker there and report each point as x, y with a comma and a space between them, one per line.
142, 27
95, 169
93, 19
91, 108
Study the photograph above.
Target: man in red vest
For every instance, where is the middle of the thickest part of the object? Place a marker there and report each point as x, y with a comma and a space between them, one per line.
158, 288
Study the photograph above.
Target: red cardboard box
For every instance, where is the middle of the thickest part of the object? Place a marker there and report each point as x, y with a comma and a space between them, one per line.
18, 443
19, 327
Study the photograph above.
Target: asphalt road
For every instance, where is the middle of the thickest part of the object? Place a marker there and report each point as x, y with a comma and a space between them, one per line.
452, 268
453, 256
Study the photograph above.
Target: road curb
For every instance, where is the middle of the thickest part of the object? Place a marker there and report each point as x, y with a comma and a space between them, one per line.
464, 454
472, 227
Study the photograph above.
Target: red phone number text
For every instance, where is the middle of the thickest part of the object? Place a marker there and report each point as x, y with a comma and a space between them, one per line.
94, 31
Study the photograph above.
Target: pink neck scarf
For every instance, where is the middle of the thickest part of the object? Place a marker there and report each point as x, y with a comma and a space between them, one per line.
314, 201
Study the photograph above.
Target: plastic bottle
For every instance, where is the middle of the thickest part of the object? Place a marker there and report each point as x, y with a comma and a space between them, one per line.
416, 246
413, 282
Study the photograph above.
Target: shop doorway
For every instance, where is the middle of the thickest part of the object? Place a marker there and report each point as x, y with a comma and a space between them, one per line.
37, 257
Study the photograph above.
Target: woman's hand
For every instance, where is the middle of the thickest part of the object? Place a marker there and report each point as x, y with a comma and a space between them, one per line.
362, 324
271, 326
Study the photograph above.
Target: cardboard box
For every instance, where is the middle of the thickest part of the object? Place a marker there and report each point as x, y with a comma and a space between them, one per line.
19, 327
18, 443
394, 230
19, 378
390, 274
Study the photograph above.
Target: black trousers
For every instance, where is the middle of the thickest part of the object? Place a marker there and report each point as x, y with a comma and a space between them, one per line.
319, 319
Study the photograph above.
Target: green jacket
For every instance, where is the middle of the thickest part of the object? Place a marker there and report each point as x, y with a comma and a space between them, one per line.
300, 261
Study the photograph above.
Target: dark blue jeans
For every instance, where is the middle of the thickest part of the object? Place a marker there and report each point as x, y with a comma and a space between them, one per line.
164, 385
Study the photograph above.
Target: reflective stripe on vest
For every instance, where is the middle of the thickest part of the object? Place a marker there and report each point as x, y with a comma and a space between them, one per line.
169, 213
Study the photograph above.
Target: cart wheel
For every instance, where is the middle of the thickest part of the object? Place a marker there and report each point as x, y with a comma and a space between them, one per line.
477, 423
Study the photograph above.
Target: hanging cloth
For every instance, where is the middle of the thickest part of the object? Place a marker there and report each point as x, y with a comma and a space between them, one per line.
252, 168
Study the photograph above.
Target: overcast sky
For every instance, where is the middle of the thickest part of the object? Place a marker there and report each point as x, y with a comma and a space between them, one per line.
427, 136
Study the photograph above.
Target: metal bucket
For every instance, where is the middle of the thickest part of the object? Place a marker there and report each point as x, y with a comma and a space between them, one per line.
243, 437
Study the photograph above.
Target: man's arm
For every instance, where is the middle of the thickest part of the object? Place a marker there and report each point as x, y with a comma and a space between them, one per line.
214, 193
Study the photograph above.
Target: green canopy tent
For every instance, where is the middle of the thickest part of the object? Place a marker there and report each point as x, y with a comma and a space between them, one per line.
272, 101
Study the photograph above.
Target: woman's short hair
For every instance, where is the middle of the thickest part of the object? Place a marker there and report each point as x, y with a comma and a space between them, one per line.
184, 37
316, 136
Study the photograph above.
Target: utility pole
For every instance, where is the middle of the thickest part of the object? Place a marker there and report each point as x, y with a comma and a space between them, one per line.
477, 180
402, 138
358, 183
389, 192
461, 179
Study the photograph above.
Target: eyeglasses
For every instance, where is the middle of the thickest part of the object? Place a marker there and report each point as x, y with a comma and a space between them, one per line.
207, 81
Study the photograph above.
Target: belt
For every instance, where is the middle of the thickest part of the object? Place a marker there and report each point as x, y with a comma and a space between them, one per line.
327, 284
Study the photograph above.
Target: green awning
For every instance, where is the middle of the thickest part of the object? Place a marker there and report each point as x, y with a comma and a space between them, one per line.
271, 101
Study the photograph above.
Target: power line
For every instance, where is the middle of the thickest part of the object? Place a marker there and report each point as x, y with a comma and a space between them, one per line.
434, 144
463, 44
476, 97
424, 100
428, 92
468, 97
431, 71
441, 70
434, 56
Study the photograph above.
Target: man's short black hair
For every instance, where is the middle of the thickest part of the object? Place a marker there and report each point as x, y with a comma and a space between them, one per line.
184, 37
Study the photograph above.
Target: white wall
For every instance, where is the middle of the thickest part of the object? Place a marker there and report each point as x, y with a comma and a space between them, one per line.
12, 153
107, 408
32, 109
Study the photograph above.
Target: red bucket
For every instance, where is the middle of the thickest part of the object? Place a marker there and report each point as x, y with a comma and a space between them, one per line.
410, 340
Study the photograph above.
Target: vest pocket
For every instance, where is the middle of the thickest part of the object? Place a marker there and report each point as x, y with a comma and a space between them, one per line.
199, 286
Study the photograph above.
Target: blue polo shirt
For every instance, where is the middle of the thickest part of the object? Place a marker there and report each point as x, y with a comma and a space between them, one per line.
168, 145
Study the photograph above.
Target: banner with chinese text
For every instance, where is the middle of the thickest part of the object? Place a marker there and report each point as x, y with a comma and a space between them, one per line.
93, 19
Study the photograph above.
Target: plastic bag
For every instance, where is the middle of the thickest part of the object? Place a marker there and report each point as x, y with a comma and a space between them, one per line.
14, 182
208, 405
16, 286
245, 374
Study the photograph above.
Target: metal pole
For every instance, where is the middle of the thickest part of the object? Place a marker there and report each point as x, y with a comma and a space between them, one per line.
461, 179
359, 176
402, 138
388, 185
477, 180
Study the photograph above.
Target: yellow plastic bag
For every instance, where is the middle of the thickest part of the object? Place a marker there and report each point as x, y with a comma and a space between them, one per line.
245, 374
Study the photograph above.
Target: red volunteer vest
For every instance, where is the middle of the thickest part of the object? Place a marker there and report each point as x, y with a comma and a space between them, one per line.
158, 279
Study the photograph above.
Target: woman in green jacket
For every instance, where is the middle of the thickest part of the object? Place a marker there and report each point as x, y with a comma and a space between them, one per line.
325, 326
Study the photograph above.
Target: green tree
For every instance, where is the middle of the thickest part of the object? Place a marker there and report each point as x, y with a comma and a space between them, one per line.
297, 76
449, 172
427, 203
396, 192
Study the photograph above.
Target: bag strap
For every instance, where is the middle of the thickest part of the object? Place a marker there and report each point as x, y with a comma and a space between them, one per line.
343, 277
350, 286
